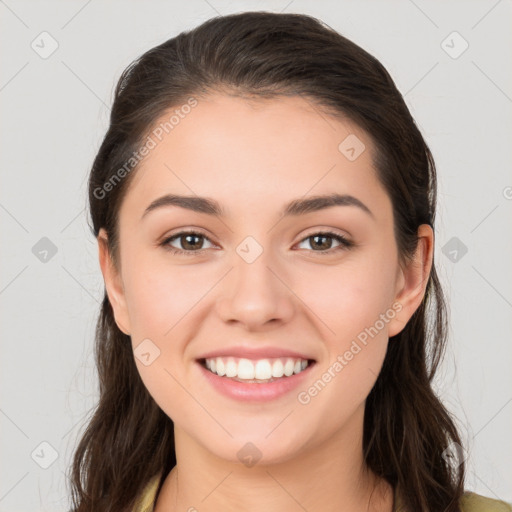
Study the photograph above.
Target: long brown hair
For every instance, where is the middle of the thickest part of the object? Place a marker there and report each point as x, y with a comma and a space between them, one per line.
407, 430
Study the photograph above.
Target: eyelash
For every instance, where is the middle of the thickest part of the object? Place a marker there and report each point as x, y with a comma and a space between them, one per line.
344, 242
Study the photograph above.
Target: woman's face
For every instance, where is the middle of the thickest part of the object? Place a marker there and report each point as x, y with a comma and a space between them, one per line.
258, 286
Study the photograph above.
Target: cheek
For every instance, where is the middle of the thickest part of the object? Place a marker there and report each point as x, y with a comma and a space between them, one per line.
355, 354
160, 295
349, 297
164, 302
353, 301
161, 300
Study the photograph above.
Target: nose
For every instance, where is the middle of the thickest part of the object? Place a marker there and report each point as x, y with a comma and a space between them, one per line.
256, 294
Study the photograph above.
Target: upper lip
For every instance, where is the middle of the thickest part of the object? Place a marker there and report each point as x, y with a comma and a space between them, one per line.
255, 353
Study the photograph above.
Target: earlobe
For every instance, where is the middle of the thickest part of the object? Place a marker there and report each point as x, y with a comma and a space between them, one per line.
113, 284
413, 280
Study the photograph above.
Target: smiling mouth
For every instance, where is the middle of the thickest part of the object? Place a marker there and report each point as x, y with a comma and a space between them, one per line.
255, 371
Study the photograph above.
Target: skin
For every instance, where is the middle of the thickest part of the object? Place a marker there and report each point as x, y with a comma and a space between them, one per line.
253, 157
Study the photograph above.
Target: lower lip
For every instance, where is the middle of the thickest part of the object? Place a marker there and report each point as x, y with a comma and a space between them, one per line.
253, 391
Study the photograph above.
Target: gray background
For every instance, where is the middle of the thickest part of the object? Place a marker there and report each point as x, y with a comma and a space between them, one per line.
54, 112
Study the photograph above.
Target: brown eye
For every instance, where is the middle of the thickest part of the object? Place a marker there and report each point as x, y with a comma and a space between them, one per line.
190, 242
323, 242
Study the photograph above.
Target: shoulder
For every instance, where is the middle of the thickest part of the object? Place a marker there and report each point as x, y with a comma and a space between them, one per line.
146, 501
469, 502
472, 502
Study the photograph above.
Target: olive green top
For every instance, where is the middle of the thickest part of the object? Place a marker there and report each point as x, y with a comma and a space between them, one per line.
470, 502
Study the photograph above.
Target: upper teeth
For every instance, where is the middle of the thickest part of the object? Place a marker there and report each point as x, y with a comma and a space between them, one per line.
260, 369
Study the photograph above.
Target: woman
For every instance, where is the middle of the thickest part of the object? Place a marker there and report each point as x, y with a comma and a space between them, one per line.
264, 206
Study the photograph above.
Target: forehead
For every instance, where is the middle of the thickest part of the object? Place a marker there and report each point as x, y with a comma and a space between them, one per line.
255, 152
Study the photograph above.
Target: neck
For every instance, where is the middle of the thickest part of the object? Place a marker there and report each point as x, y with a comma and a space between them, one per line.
329, 476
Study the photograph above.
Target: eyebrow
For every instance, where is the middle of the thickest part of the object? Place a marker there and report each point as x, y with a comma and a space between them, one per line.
293, 208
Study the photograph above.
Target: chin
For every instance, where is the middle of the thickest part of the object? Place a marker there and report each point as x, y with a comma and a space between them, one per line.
258, 449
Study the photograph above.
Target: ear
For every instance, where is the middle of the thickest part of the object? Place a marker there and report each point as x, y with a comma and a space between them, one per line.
113, 284
412, 280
